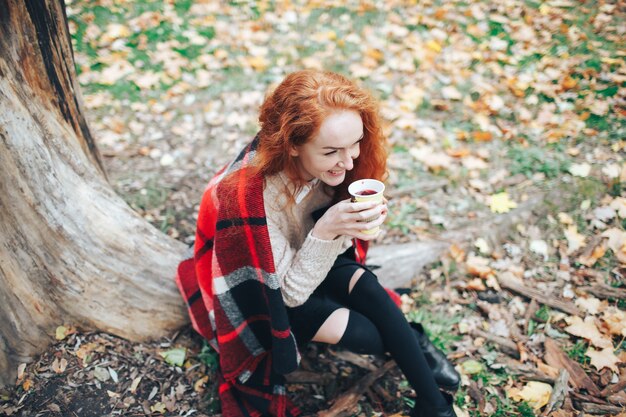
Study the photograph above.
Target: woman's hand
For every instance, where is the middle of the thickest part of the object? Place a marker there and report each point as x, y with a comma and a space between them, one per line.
348, 218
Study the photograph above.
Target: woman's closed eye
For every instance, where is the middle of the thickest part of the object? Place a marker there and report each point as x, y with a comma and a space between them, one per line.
356, 144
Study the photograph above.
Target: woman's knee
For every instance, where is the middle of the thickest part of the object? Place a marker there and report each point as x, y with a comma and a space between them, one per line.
367, 282
355, 278
333, 328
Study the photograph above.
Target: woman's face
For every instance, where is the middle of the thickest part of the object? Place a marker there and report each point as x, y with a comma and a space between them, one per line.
331, 152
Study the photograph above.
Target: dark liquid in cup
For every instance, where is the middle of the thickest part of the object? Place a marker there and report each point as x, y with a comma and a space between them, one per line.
366, 192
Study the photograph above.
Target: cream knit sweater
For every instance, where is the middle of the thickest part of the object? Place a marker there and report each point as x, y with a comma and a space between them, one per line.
301, 260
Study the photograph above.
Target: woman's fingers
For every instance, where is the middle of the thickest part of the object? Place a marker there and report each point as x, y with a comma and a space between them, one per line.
360, 206
374, 212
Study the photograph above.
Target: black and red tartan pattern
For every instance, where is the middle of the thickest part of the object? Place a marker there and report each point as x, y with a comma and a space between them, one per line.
233, 295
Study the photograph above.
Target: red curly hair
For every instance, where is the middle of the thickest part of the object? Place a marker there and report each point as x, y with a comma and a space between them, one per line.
291, 115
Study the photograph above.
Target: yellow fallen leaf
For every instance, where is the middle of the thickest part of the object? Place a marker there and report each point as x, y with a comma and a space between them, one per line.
258, 63
535, 393
501, 203
433, 46
158, 408
587, 330
61, 332
604, 358
375, 54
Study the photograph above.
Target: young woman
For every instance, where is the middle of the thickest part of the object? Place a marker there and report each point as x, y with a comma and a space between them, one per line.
280, 249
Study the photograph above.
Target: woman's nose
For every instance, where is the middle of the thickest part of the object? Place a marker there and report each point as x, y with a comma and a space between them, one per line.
347, 161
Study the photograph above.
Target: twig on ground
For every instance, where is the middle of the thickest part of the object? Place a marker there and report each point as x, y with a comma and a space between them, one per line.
506, 345
559, 392
512, 284
350, 398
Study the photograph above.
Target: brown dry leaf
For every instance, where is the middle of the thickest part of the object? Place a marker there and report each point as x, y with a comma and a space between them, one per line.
433, 160
200, 383
575, 240
258, 63
20, 371
565, 218
617, 242
458, 152
481, 136
591, 255
619, 205
560, 413
84, 351
615, 321
479, 266
457, 253
591, 305
28, 384
603, 358
114, 31
135, 384
555, 357
59, 366
113, 73
587, 329
547, 369
476, 284
535, 393
568, 83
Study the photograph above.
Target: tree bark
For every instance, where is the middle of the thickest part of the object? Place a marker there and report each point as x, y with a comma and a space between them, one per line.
71, 250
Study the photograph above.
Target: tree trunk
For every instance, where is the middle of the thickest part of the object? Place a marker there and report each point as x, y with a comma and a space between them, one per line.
71, 250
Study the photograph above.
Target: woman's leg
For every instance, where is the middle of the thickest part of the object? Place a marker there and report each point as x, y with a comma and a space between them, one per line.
363, 293
352, 331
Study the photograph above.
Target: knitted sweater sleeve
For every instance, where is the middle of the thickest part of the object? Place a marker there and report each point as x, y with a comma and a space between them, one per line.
301, 271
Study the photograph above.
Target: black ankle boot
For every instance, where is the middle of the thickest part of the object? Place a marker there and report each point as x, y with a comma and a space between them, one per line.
423, 409
446, 376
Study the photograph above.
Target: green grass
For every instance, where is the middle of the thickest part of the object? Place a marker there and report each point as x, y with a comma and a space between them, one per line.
577, 352
533, 159
437, 326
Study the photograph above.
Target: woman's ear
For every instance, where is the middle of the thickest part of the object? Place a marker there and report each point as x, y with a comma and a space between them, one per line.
293, 151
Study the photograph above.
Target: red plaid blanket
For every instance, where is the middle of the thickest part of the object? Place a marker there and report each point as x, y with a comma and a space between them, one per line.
233, 295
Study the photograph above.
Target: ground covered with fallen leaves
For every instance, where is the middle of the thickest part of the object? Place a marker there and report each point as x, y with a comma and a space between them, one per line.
495, 112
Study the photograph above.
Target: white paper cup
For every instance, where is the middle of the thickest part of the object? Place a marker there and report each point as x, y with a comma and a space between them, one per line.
367, 190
